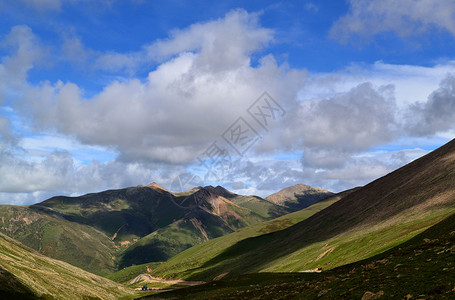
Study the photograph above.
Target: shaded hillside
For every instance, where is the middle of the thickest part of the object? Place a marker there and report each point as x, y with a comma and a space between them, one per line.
12, 288
195, 228
298, 196
421, 268
36, 275
52, 235
122, 214
373, 219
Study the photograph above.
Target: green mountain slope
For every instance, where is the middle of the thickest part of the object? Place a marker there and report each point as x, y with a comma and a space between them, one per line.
421, 268
77, 244
123, 215
26, 273
183, 264
210, 212
162, 244
298, 196
371, 220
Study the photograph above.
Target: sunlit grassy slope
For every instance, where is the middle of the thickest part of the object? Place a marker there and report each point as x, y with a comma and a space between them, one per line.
421, 268
39, 276
52, 235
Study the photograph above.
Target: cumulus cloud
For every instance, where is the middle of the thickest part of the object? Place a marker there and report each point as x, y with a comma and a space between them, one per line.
358, 119
222, 44
57, 172
331, 129
405, 17
182, 106
435, 115
25, 52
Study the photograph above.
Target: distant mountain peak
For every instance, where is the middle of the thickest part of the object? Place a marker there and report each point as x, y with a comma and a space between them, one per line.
157, 187
220, 191
298, 196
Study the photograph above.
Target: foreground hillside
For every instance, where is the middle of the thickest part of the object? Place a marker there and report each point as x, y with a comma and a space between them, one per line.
421, 268
80, 245
371, 220
26, 274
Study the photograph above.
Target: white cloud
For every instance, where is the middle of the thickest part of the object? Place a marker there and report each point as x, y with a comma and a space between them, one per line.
331, 129
405, 17
412, 83
25, 51
222, 44
57, 173
435, 115
182, 106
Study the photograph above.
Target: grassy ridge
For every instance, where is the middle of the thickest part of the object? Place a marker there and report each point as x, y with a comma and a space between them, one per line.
421, 268
77, 244
326, 254
12, 288
52, 279
122, 214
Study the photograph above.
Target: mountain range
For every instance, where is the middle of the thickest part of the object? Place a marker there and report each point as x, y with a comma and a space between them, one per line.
106, 231
392, 238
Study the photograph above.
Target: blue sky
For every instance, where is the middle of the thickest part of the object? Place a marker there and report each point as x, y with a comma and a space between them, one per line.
109, 94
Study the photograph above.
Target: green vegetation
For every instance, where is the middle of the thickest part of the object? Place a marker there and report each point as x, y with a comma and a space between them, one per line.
421, 268
168, 241
12, 288
24, 271
77, 244
394, 238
